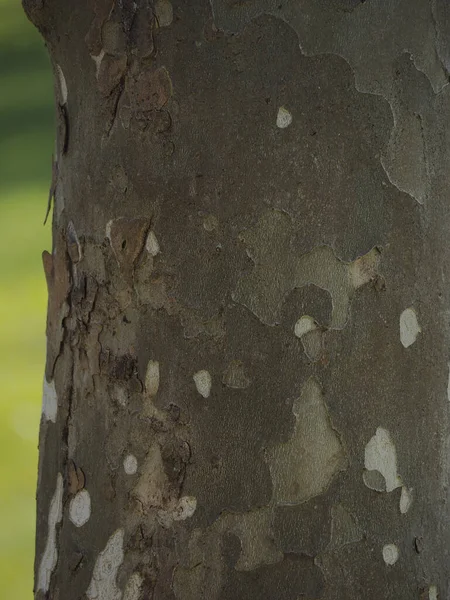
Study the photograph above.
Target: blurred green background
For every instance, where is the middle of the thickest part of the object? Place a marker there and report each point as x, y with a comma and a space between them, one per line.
26, 144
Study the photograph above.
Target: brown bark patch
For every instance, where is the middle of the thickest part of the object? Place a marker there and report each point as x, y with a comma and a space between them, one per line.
127, 237
110, 73
152, 89
58, 285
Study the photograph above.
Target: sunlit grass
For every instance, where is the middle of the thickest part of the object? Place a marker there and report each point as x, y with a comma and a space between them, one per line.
22, 347
26, 142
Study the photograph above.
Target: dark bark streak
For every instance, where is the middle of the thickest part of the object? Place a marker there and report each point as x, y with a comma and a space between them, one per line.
52, 190
118, 92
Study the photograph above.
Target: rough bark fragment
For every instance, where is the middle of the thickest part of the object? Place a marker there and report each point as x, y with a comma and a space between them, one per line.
58, 284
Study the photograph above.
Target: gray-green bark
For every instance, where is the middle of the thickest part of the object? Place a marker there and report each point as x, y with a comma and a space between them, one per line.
248, 330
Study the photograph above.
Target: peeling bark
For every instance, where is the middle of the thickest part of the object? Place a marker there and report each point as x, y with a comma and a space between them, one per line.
247, 385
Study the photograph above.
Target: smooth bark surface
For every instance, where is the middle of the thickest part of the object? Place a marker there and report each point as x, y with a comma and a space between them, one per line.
246, 389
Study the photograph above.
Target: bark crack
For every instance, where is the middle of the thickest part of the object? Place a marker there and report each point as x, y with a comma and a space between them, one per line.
119, 93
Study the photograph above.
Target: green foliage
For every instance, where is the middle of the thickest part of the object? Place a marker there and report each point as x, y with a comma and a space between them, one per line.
26, 144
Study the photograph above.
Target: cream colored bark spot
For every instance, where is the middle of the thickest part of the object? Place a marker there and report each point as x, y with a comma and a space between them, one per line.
409, 327
284, 118
203, 382
50, 555
49, 401
179, 510
185, 509
406, 499
120, 395
380, 455
304, 325
80, 508
103, 585
108, 229
364, 268
62, 85
390, 554
130, 464
152, 244
152, 378
433, 593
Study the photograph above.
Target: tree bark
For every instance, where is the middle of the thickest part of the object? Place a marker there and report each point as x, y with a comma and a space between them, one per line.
245, 391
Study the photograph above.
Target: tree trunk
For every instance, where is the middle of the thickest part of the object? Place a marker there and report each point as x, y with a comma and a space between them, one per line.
245, 393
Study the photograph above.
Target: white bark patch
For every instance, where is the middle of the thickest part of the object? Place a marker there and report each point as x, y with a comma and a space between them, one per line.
284, 118
50, 555
130, 464
432, 593
406, 499
152, 244
179, 510
304, 325
80, 508
133, 587
152, 378
185, 508
304, 466
49, 401
380, 455
98, 61
409, 327
164, 13
103, 584
390, 554
62, 85
120, 395
108, 229
203, 383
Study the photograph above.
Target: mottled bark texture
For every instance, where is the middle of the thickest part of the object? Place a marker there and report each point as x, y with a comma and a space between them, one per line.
248, 353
